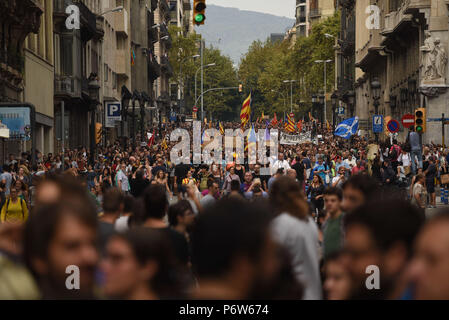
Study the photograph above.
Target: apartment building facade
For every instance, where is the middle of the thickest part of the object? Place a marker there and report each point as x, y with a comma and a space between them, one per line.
19, 19
407, 53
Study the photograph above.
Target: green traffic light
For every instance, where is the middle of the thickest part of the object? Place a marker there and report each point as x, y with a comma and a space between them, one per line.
199, 18
418, 129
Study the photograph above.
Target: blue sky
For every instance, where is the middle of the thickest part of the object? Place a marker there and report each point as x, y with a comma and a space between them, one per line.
284, 8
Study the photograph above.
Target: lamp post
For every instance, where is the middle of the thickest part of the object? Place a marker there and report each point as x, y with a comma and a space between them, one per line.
314, 101
136, 96
126, 96
196, 74
291, 93
283, 96
322, 99
351, 100
94, 95
375, 89
412, 92
325, 62
334, 98
181, 82
144, 98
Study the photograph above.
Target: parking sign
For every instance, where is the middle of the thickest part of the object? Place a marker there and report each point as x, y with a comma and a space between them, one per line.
378, 123
113, 113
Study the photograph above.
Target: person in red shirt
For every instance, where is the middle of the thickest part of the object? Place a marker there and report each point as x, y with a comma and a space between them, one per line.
394, 155
358, 168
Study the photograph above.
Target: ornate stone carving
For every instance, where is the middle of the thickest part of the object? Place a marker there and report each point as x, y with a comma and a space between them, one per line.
434, 61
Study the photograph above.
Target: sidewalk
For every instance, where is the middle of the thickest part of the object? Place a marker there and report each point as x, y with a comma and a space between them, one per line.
431, 211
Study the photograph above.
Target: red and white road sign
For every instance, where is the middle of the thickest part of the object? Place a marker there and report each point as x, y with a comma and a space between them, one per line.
408, 120
292, 115
195, 109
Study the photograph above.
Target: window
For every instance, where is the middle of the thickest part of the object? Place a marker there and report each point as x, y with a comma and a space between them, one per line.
106, 73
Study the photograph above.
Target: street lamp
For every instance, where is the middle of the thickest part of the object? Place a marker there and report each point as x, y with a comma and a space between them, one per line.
117, 9
196, 74
325, 62
322, 99
375, 89
144, 99
283, 96
94, 95
412, 92
136, 96
334, 99
126, 96
291, 93
181, 82
327, 35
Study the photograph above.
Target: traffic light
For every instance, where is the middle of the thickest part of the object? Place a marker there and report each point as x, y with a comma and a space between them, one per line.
420, 120
240, 88
98, 132
199, 9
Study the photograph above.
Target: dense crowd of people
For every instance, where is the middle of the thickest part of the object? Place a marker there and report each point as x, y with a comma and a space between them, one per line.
306, 225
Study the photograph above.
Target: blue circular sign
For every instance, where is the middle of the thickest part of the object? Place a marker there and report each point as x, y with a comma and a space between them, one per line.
393, 126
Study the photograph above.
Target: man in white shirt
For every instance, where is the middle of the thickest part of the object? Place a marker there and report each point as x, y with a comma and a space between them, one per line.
350, 161
122, 179
280, 163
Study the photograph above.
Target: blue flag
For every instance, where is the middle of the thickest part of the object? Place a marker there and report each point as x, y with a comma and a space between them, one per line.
347, 128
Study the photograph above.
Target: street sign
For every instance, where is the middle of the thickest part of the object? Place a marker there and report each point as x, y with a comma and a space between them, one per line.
195, 109
436, 119
378, 123
393, 126
341, 111
408, 120
292, 115
113, 113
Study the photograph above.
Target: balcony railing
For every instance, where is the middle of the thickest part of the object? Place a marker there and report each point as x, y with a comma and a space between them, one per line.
166, 66
68, 86
315, 13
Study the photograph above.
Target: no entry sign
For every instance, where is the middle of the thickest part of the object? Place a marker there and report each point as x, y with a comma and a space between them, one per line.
408, 120
195, 109
393, 126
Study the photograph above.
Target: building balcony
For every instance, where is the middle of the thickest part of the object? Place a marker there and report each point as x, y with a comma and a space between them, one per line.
164, 6
153, 5
166, 67
121, 23
314, 13
300, 19
88, 19
67, 86
164, 31
168, 42
396, 21
123, 62
412, 6
99, 34
154, 68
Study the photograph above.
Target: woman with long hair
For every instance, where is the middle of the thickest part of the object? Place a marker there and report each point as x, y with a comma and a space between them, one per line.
161, 178
295, 231
316, 192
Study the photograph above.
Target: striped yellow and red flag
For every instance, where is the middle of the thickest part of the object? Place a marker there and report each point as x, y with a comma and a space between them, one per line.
246, 111
290, 124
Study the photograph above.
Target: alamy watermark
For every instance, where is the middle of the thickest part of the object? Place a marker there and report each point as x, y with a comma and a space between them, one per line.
207, 147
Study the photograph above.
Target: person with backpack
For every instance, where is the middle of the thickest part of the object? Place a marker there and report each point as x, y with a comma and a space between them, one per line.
15, 208
393, 154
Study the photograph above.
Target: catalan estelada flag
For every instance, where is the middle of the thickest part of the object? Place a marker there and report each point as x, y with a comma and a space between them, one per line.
290, 124
222, 131
246, 111
252, 139
133, 57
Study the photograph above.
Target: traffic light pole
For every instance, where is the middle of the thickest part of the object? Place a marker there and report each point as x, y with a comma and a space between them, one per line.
202, 80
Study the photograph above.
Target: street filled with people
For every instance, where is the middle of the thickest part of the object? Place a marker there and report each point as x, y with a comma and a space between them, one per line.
313, 223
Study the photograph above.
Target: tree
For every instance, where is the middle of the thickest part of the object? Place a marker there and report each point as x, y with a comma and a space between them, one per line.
222, 104
266, 65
